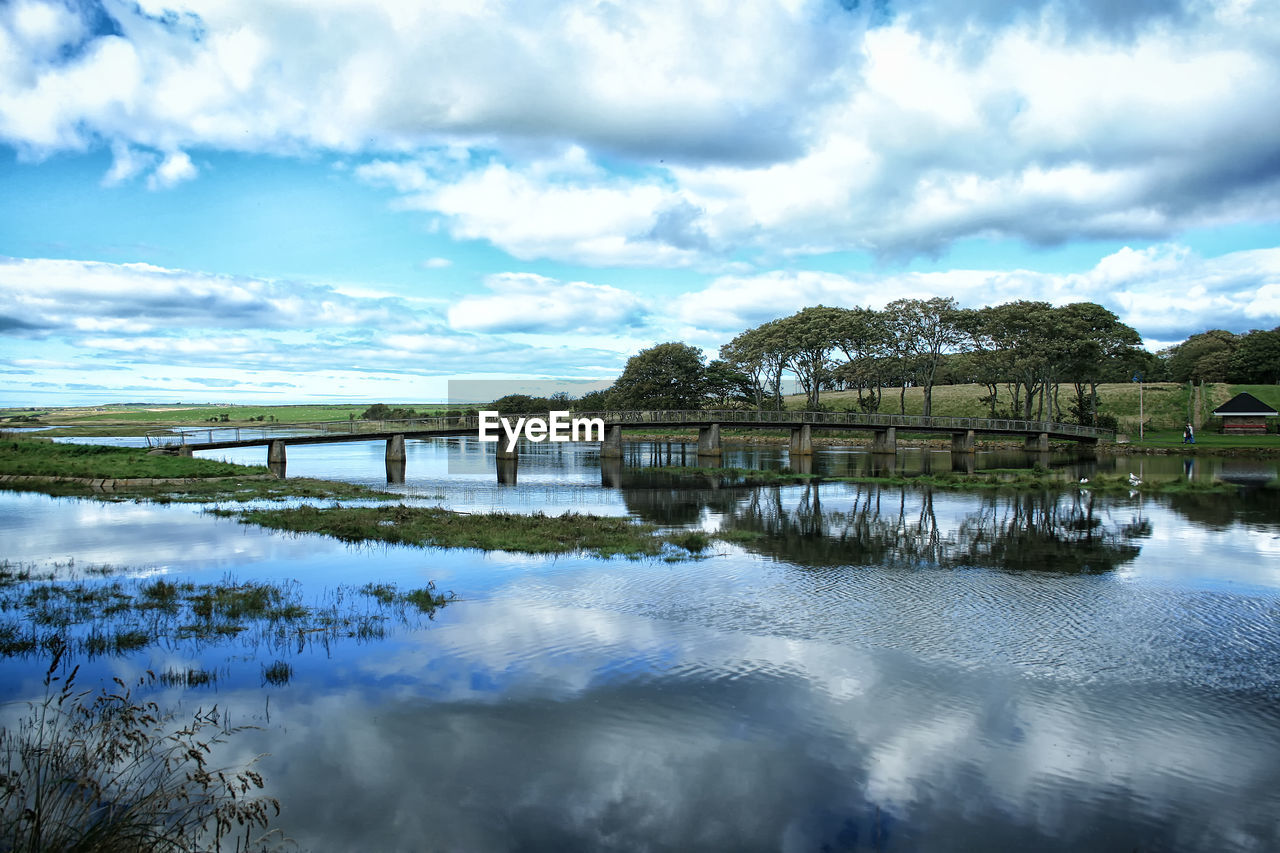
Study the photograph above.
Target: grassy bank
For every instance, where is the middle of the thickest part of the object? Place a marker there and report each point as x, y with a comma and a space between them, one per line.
1165, 405
599, 536
1047, 480
1207, 443
1020, 479
125, 473
40, 457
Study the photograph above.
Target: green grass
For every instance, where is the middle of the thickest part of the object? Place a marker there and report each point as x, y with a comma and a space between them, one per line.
43, 458
600, 536
1164, 404
180, 415
1207, 440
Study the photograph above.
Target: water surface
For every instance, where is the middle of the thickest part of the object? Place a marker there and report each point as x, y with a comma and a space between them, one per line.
877, 668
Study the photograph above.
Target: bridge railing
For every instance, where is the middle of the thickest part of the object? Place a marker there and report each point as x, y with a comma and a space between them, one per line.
844, 419
656, 417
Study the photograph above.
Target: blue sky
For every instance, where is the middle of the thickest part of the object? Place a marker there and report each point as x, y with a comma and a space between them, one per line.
259, 200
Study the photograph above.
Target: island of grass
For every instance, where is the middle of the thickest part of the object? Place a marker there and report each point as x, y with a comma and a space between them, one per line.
96, 470
571, 533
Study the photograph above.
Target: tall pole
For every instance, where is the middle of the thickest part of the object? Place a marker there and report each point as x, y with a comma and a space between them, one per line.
1140, 415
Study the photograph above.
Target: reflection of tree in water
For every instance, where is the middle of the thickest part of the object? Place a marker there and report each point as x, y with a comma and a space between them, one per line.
1034, 531
1256, 507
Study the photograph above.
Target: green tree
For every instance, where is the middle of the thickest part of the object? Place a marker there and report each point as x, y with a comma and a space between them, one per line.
924, 331
1205, 357
809, 341
666, 376
1256, 360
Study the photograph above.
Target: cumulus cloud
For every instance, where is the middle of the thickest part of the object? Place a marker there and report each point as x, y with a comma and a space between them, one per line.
890, 128
44, 295
173, 170
524, 302
1166, 292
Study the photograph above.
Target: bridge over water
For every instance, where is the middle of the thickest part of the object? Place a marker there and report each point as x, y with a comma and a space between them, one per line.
884, 429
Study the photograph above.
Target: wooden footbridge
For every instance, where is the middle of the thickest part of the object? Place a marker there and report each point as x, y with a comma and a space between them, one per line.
884, 430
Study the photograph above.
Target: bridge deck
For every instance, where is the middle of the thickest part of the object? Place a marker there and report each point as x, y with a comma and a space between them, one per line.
215, 438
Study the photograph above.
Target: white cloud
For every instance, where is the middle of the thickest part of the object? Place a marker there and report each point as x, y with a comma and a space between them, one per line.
669, 138
1166, 291
436, 263
524, 302
126, 163
173, 170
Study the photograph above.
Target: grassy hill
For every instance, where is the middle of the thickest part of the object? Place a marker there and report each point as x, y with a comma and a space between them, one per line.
1165, 405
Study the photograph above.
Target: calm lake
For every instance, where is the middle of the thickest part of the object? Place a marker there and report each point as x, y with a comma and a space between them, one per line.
881, 668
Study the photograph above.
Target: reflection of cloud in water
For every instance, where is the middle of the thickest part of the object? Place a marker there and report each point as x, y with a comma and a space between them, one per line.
634, 734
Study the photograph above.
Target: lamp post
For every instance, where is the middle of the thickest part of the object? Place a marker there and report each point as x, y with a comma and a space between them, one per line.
1137, 377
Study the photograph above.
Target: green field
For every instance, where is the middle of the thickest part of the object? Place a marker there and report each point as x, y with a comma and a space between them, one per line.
1165, 405
108, 420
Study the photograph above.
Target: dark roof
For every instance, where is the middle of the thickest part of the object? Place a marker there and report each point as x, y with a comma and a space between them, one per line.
1245, 404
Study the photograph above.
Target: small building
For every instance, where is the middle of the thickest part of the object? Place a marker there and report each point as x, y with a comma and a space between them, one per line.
1244, 414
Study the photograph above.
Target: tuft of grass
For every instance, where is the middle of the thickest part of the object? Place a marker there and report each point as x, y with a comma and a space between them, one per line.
693, 541
104, 771
278, 673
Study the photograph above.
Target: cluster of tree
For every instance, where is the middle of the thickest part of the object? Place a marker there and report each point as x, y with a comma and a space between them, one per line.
1220, 356
1023, 352
383, 412
1029, 348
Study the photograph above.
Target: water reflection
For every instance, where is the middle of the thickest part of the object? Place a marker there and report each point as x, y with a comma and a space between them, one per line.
633, 735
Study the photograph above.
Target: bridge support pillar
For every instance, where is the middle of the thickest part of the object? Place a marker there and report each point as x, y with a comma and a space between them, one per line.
395, 448
709, 440
183, 450
802, 441
1039, 443
885, 441
275, 453
962, 442
611, 447
507, 469
503, 453
611, 472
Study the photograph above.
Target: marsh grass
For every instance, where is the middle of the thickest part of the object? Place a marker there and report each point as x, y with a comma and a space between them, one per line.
600, 536
115, 617
104, 771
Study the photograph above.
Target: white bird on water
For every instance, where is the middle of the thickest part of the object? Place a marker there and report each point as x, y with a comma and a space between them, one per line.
1134, 481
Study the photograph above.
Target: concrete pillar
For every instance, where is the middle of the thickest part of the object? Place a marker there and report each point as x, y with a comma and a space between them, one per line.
503, 453
610, 472
507, 466
611, 447
884, 464
802, 441
801, 464
962, 442
395, 449
183, 450
275, 452
1039, 443
963, 462
885, 441
709, 440
395, 470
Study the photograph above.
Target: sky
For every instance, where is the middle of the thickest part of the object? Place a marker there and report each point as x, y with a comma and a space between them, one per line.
271, 201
